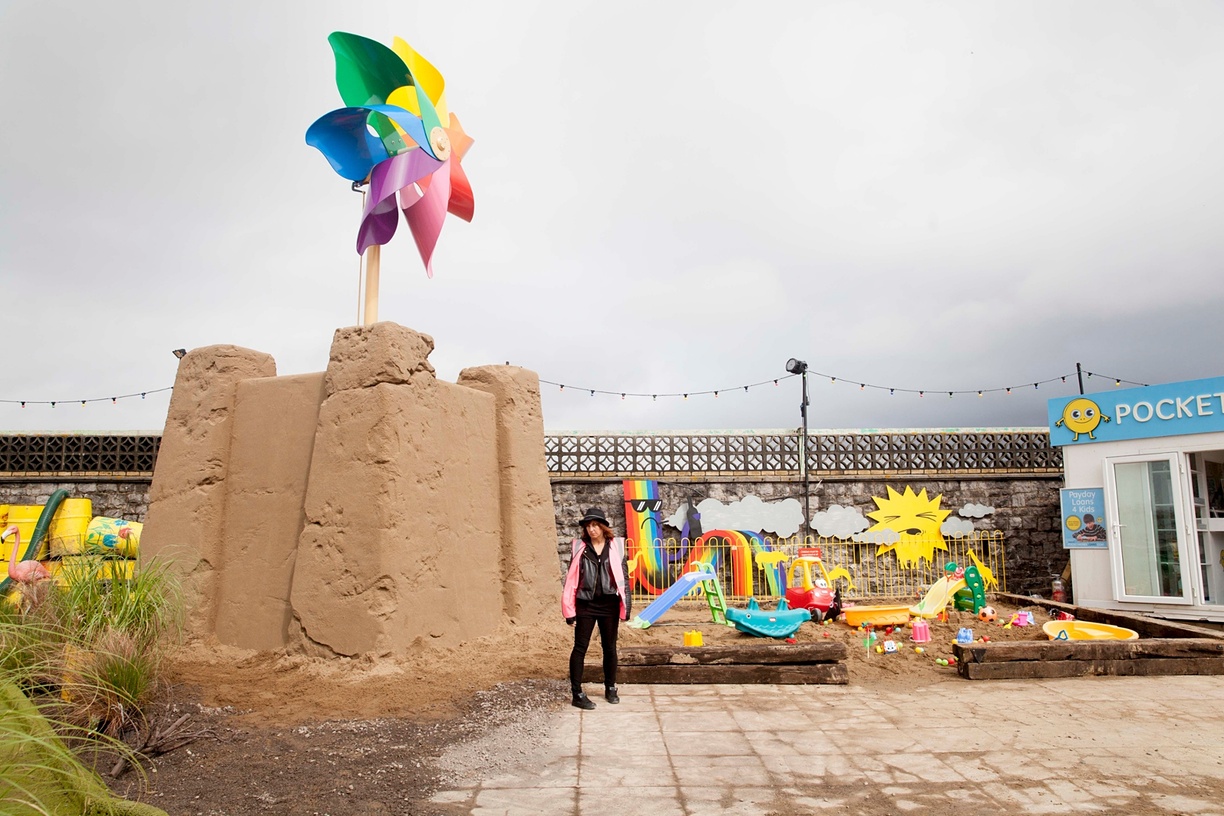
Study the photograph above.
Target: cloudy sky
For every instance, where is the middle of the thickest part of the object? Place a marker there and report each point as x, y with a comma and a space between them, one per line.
670, 197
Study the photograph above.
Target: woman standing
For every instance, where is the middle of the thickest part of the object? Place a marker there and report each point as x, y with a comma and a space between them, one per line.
595, 593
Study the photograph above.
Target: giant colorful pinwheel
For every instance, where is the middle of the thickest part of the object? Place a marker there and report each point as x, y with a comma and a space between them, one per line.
396, 134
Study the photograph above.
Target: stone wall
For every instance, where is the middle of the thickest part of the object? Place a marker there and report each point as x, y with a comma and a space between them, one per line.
126, 499
1026, 510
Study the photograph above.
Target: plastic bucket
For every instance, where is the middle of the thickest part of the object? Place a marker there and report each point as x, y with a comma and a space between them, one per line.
25, 516
67, 533
102, 537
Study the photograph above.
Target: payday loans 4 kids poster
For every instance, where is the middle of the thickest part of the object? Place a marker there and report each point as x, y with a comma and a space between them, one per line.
1083, 518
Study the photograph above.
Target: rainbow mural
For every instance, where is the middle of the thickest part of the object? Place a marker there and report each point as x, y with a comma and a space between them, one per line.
741, 547
657, 564
643, 536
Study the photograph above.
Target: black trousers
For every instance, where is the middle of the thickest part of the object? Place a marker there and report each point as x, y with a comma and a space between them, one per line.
583, 627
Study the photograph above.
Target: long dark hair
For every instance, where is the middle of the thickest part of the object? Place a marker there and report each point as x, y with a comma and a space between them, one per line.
607, 531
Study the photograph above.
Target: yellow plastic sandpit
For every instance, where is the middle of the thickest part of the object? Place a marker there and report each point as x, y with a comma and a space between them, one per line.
877, 615
1083, 630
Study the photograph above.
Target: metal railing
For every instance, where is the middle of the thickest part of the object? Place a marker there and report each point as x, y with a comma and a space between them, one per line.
742, 573
76, 454
1025, 450
776, 453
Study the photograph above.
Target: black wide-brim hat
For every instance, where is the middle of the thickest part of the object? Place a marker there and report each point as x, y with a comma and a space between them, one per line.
593, 514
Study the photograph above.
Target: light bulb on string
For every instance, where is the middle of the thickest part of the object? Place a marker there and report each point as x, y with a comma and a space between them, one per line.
622, 397
1117, 382
979, 393
1035, 386
891, 391
921, 394
949, 395
1009, 390
592, 392
686, 396
715, 395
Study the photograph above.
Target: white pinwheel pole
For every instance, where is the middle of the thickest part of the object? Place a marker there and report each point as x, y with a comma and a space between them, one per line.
372, 259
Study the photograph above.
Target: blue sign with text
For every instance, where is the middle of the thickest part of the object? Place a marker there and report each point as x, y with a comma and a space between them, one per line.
1083, 518
1195, 406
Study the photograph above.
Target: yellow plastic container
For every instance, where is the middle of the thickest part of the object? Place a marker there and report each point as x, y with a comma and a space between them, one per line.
67, 532
74, 568
1085, 630
102, 537
25, 516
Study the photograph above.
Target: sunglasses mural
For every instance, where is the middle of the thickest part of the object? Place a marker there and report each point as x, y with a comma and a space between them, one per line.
914, 527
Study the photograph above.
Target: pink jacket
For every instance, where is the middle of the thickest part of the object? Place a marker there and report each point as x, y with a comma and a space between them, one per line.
616, 559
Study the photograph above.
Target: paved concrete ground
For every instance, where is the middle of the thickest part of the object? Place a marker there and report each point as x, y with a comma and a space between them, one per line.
1130, 745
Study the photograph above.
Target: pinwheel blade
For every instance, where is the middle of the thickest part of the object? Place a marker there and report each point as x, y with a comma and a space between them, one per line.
461, 203
368, 72
347, 144
425, 217
385, 180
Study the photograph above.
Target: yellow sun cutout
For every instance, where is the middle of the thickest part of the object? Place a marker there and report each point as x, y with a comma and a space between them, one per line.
916, 519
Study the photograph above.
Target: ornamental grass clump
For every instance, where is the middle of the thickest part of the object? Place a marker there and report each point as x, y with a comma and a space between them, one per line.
86, 654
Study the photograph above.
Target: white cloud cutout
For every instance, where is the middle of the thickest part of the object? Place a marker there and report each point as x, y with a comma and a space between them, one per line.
878, 537
957, 528
678, 518
972, 510
839, 522
781, 518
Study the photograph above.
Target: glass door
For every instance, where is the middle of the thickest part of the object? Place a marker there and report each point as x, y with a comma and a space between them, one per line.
1155, 551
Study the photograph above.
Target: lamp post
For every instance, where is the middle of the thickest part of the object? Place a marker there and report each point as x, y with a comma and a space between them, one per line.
794, 366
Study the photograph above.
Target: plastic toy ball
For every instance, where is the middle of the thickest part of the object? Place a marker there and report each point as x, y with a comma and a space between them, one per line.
987, 614
919, 650
941, 661
951, 661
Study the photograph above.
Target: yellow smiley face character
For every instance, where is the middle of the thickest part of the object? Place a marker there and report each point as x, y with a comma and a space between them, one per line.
1081, 416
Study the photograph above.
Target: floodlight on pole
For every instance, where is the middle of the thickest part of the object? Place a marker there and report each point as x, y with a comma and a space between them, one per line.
796, 366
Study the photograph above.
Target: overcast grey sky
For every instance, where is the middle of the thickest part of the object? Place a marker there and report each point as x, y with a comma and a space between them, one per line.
670, 197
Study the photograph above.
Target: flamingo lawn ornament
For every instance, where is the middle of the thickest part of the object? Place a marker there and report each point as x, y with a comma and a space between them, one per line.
23, 572
397, 135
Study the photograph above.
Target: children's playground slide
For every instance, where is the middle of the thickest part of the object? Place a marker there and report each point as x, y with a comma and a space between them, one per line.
685, 584
937, 597
941, 592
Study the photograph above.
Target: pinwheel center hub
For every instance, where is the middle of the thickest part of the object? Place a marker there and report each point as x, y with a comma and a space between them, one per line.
440, 143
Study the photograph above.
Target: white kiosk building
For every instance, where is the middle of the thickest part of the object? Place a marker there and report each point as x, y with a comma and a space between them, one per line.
1143, 502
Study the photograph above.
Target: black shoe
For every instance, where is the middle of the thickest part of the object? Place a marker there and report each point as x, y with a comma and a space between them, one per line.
611, 695
582, 701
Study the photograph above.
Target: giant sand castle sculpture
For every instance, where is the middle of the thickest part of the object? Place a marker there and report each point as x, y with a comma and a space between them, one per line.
356, 511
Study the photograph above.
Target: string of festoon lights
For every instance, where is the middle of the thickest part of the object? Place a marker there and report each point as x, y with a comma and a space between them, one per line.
684, 395
835, 380
112, 400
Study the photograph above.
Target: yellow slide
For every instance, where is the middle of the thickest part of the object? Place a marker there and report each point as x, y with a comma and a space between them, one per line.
937, 597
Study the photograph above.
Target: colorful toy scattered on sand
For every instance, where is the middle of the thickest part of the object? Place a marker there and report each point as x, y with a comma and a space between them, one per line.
1083, 630
775, 623
702, 577
815, 593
